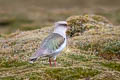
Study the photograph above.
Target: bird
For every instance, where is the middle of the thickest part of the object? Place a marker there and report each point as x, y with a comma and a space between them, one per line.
52, 45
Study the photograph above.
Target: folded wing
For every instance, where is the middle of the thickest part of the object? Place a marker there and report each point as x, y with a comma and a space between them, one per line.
49, 45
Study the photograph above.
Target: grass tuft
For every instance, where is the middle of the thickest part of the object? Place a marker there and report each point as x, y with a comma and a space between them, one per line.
70, 73
77, 57
8, 78
12, 63
112, 65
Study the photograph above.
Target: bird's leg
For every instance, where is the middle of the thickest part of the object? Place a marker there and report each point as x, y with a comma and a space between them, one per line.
50, 61
54, 61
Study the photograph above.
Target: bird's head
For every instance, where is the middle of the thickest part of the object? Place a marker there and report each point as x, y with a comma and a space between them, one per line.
61, 26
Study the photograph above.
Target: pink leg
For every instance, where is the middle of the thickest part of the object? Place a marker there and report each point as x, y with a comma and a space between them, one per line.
50, 62
55, 62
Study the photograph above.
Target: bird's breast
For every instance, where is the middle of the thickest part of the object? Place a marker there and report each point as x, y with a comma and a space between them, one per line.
61, 47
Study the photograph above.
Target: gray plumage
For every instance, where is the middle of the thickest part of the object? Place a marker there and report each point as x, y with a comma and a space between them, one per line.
53, 44
49, 45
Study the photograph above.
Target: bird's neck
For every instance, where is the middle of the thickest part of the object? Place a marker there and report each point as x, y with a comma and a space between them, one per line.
60, 31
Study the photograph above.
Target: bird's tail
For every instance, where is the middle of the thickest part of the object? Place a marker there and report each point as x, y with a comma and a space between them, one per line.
36, 55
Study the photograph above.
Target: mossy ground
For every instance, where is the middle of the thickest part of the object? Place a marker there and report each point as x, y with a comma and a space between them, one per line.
72, 64
68, 67
80, 59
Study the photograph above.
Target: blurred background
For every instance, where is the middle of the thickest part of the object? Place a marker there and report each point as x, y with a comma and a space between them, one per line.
33, 14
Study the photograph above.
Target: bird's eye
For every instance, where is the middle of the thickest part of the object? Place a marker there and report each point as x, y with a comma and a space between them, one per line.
63, 24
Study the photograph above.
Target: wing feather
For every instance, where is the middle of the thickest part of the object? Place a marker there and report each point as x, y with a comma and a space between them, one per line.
52, 42
49, 45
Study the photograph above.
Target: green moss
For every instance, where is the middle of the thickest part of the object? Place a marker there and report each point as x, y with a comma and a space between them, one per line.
64, 62
100, 19
12, 63
111, 47
34, 76
67, 63
77, 57
106, 46
55, 74
107, 78
9, 78
70, 73
84, 46
112, 65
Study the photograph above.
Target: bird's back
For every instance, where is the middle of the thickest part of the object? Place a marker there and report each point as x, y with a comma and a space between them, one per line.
49, 45
52, 42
